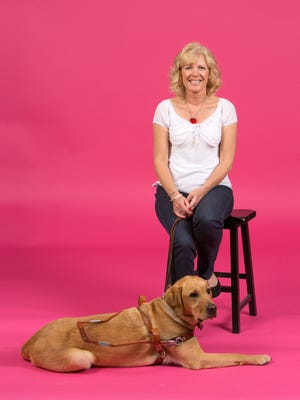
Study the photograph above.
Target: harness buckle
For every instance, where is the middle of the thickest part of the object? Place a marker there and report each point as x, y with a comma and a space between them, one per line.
160, 353
179, 340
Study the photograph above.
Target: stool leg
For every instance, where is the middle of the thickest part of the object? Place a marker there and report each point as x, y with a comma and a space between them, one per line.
249, 268
235, 288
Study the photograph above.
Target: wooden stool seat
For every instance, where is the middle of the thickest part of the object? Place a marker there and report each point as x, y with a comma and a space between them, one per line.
239, 219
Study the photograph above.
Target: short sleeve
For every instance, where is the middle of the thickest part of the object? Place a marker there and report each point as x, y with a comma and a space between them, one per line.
229, 115
161, 115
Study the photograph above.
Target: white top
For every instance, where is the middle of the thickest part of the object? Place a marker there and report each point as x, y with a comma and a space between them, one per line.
194, 152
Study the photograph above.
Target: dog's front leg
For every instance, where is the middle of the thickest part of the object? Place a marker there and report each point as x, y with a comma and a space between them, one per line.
190, 355
218, 360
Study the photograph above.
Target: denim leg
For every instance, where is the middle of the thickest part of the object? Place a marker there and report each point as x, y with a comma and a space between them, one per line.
208, 223
200, 235
184, 246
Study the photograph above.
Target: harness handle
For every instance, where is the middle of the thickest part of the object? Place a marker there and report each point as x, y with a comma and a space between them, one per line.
170, 278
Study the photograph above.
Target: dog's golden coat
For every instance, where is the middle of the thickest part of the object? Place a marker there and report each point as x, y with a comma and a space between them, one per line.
59, 345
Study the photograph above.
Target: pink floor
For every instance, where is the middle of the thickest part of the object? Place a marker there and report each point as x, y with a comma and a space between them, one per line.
43, 284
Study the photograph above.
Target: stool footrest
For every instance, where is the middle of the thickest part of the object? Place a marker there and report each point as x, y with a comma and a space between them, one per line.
246, 300
228, 275
226, 289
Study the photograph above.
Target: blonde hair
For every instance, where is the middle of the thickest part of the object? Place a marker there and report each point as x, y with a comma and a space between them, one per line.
188, 55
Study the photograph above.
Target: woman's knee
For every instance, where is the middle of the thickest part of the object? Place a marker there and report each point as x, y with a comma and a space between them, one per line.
184, 243
206, 223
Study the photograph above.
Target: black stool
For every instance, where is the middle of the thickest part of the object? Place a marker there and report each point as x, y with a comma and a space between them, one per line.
239, 219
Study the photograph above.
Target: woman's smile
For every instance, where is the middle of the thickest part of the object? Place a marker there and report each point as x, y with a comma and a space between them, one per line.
195, 75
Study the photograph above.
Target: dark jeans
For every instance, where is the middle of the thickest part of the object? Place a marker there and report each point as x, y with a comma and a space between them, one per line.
199, 235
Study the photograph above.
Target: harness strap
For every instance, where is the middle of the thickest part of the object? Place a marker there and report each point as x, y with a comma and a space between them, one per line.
160, 352
84, 336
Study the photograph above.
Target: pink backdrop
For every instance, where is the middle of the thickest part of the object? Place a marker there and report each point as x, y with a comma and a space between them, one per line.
79, 82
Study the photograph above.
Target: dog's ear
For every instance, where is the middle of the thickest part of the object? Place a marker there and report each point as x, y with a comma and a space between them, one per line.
173, 297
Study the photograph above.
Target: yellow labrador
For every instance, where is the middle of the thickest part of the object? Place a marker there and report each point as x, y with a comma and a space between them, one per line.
158, 332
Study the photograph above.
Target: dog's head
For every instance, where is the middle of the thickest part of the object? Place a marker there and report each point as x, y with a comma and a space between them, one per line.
191, 300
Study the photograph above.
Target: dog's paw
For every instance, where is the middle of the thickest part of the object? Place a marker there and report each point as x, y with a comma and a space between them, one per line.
263, 359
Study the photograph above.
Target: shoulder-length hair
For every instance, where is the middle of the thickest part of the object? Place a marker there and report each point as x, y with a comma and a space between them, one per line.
189, 54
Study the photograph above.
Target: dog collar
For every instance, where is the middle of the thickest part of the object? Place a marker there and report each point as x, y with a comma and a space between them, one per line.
168, 310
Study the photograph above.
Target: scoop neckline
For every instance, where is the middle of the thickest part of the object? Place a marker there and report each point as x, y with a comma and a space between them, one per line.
199, 123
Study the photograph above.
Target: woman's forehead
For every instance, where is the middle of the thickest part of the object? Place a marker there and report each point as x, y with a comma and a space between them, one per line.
194, 59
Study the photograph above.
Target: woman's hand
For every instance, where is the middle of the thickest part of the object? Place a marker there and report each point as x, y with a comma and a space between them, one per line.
181, 207
195, 197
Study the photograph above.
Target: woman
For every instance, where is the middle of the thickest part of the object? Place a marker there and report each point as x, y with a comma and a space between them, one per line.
194, 147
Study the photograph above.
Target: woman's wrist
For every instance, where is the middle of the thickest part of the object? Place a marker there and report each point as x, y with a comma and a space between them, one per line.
205, 188
172, 193
175, 196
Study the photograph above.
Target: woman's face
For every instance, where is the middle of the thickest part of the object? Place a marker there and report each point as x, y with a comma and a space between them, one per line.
195, 75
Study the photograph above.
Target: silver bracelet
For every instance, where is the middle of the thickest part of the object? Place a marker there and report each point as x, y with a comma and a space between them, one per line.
176, 197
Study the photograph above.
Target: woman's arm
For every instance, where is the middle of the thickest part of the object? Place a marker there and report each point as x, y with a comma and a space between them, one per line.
161, 148
227, 153
161, 158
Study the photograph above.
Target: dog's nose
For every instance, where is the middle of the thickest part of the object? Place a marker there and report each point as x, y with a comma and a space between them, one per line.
211, 310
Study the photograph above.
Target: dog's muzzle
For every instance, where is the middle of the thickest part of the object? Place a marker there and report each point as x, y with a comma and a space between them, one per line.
211, 310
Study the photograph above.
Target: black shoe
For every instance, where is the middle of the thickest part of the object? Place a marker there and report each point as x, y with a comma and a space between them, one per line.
216, 290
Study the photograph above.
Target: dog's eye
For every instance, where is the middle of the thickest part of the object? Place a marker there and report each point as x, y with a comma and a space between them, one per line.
194, 294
